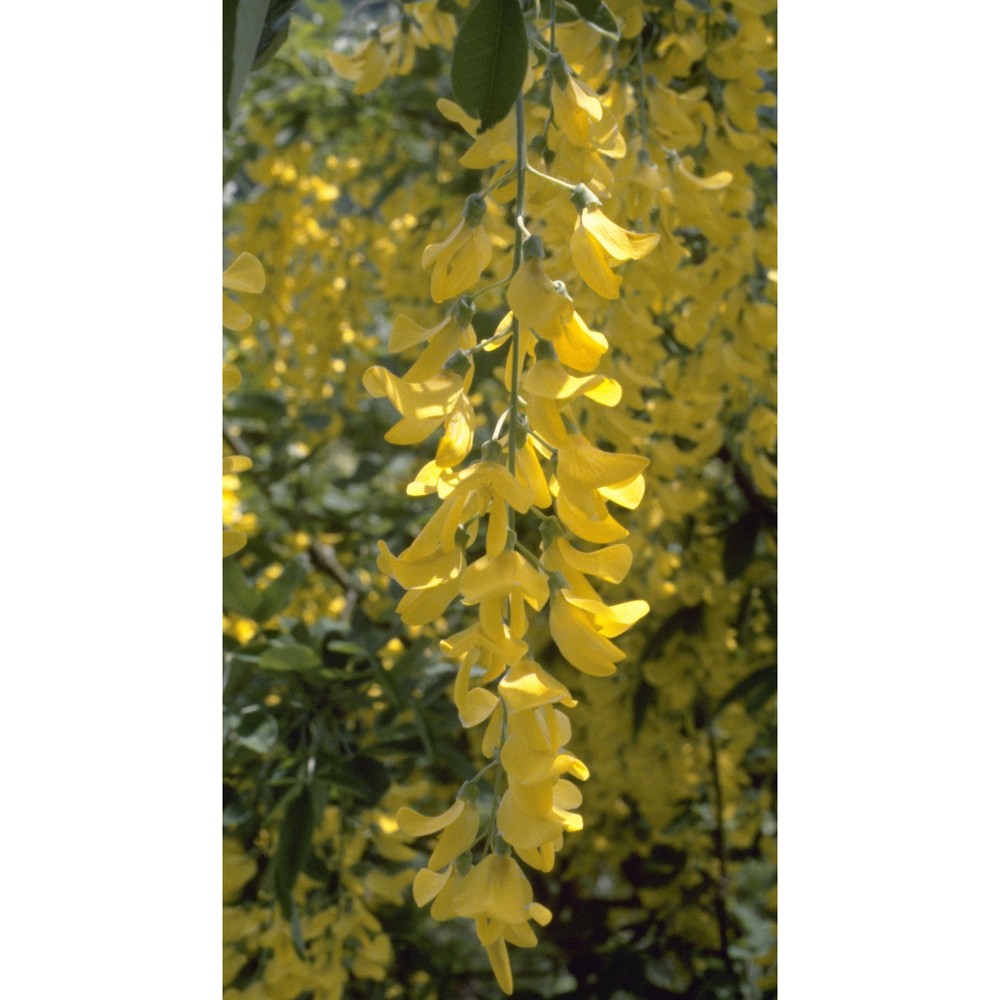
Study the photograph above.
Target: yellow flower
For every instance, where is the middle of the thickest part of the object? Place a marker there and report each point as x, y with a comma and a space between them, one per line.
534, 298
459, 826
575, 108
586, 479
245, 274
367, 68
432, 580
459, 260
598, 244
423, 406
582, 628
497, 895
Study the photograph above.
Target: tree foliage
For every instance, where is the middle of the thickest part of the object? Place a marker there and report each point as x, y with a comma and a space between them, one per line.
629, 324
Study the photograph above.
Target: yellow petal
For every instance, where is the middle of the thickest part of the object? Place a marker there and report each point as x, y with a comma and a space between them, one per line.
457, 837
620, 244
500, 964
591, 262
427, 884
528, 685
496, 888
533, 298
575, 635
245, 274
234, 317
232, 464
415, 824
232, 541
549, 378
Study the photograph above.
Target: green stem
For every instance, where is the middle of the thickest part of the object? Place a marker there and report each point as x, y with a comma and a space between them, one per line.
530, 556
515, 327
549, 177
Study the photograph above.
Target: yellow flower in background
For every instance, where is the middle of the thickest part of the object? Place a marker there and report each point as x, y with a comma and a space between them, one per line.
366, 69
245, 274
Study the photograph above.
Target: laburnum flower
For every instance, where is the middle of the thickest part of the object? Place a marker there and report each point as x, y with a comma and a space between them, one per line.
432, 26
366, 68
459, 827
583, 628
587, 478
598, 244
575, 106
548, 387
536, 808
245, 274
610, 563
532, 295
495, 145
423, 406
460, 259
432, 581
497, 895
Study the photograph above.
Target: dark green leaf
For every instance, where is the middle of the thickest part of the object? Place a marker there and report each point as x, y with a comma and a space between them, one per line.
298, 943
237, 594
260, 734
242, 24
754, 689
279, 592
291, 657
599, 16
255, 406
294, 841
365, 777
490, 60
643, 699
275, 30
741, 541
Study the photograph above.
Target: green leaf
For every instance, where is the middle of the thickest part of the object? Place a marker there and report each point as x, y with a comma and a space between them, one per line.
364, 776
242, 24
252, 31
754, 690
490, 60
261, 737
237, 594
279, 592
255, 406
741, 541
598, 16
274, 32
294, 842
290, 657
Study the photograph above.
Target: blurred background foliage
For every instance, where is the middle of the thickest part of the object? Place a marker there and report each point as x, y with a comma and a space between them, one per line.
335, 713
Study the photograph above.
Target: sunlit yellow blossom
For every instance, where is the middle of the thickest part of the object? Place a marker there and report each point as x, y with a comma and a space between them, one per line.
575, 108
534, 299
367, 68
459, 260
245, 274
423, 406
598, 244
432, 582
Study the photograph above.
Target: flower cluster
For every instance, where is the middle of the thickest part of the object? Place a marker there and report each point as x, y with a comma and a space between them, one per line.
523, 535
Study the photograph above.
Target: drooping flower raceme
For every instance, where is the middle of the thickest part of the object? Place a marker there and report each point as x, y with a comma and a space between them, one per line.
538, 475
